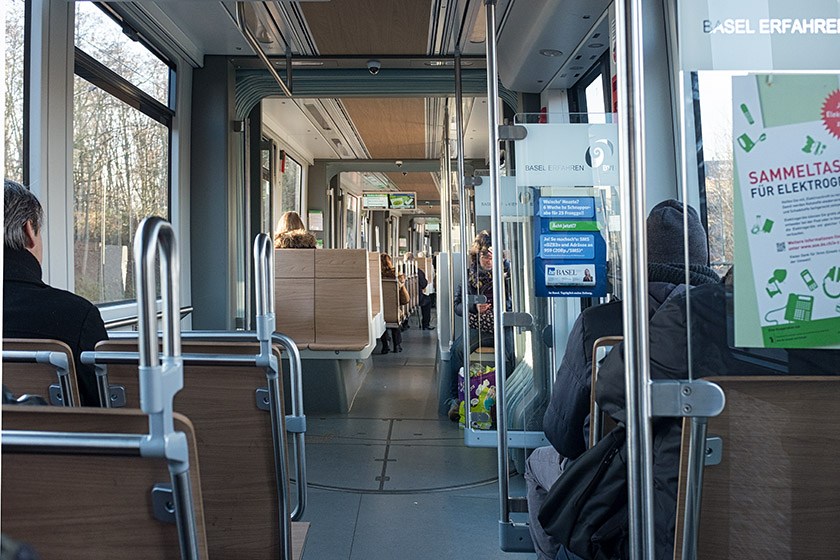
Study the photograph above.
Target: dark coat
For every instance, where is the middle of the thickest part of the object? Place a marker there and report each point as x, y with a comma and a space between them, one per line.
480, 282
565, 417
422, 282
295, 239
713, 354
564, 422
32, 309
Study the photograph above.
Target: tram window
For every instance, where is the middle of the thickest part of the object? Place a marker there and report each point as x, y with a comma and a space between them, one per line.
291, 186
590, 94
121, 151
102, 38
15, 46
715, 98
352, 223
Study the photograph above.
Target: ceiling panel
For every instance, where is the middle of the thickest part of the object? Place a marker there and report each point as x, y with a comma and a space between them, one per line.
375, 27
390, 127
422, 183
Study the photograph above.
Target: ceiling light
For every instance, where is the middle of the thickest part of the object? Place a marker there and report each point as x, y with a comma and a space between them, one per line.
550, 52
596, 45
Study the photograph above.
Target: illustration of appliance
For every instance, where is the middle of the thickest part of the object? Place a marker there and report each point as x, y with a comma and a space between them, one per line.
765, 225
773, 288
799, 308
748, 143
808, 279
747, 115
831, 283
813, 146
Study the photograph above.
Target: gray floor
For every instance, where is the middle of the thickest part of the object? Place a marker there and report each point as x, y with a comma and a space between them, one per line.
392, 479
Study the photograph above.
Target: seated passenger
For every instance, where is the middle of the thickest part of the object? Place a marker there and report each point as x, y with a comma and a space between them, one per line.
479, 282
31, 308
292, 234
388, 271
565, 423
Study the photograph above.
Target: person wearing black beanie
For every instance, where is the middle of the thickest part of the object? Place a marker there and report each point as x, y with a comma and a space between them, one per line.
568, 408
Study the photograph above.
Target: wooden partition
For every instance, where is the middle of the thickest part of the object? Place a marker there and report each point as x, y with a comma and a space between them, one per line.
294, 294
95, 507
35, 379
234, 446
375, 275
776, 491
342, 300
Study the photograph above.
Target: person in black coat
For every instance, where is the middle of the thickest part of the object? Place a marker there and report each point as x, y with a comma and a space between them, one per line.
565, 421
31, 308
425, 301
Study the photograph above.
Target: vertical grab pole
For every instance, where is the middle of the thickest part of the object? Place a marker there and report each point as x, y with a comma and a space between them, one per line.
161, 378
633, 179
462, 206
498, 258
694, 487
264, 268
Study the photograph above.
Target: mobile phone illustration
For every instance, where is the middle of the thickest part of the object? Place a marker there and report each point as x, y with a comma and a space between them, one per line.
799, 308
809, 280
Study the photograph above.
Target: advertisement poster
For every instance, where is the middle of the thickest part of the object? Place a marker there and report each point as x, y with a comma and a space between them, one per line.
571, 256
786, 142
374, 201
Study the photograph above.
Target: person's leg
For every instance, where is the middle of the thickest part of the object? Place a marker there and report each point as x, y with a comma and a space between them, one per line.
542, 469
456, 361
396, 334
384, 340
426, 314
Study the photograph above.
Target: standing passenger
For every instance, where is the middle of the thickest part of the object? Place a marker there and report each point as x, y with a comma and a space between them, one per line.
31, 308
425, 299
388, 271
292, 234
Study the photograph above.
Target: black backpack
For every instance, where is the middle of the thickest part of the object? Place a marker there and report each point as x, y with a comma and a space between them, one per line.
586, 509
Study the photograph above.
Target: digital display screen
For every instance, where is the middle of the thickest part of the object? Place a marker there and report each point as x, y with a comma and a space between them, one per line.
432, 227
402, 200
375, 201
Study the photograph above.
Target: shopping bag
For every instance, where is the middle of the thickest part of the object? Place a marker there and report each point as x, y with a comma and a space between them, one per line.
482, 396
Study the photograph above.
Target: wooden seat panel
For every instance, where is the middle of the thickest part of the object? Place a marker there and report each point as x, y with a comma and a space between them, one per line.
35, 379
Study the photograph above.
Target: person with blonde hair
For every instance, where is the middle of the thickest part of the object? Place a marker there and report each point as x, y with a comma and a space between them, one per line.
292, 234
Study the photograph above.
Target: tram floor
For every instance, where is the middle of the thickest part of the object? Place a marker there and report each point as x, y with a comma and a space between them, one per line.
393, 479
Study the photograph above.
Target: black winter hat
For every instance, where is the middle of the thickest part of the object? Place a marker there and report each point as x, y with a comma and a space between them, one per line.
665, 234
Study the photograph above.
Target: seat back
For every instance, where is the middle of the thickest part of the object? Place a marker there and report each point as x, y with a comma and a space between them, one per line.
91, 507
599, 423
34, 378
342, 300
391, 302
294, 281
375, 273
235, 449
776, 491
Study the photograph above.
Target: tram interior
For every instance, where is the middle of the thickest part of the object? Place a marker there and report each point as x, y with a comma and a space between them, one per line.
222, 116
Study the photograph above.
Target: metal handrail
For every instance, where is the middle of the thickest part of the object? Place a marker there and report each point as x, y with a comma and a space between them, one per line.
128, 321
58, 360
264, 270
161, 378
255, 45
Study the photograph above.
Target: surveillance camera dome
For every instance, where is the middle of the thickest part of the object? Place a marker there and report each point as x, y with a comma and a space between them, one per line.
373, 66
398, 163
405, 172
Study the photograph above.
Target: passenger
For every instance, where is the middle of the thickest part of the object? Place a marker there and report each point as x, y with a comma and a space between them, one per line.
31, 308
565, 418
293, 234
425, 300
479, 282
388, 271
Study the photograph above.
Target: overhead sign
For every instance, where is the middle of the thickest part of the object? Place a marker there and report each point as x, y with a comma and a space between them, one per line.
432, 227
759, 35
571, 256
786, 132
402, 200
375, 201
567, 155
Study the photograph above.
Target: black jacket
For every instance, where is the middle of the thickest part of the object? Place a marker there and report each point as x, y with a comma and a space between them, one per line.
480, 282
713, 354
564, 422
32, 309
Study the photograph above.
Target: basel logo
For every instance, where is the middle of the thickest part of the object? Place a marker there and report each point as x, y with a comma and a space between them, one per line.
598, 153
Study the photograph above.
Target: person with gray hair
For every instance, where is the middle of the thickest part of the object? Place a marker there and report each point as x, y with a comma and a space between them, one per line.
33, 309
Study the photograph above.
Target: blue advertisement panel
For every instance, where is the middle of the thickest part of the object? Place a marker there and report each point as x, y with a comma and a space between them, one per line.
571, 256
